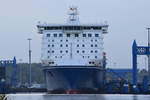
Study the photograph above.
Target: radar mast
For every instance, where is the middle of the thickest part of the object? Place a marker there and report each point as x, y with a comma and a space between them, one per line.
73, 15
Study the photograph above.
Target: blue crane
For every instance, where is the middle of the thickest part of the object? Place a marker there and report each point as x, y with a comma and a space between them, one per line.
13, 63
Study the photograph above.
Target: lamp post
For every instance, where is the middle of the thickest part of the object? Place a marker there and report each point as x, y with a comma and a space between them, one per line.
20, 72
30, 80
148, 29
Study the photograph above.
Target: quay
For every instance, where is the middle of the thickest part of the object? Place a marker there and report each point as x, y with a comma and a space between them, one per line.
76, 97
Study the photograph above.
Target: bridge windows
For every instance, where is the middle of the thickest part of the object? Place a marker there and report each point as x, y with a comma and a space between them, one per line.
89, 35
55, 35
84, 35
48, 35
53, 28
96, 35
76, 35
60, 35
68, 35
72, 27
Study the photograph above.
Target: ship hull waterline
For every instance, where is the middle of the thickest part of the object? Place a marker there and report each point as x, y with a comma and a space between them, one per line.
74, 80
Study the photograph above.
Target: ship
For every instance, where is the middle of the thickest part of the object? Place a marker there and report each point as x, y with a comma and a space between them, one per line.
72, 55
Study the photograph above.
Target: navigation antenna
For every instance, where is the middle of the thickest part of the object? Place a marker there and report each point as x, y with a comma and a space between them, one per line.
73, 15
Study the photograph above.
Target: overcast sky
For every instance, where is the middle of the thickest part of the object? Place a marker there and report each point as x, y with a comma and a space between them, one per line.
127, 21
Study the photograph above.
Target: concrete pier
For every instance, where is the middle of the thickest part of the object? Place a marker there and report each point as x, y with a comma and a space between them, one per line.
76, 97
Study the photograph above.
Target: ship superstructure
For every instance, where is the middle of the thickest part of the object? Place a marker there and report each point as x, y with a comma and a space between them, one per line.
72, 55
72, 43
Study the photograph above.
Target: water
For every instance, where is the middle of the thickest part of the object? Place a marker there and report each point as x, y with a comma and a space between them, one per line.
76, 97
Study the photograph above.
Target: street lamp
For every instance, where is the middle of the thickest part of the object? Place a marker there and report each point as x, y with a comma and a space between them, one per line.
20, 73
29, 39
148, 29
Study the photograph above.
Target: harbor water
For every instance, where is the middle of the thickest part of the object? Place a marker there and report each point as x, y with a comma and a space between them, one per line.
76, 97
